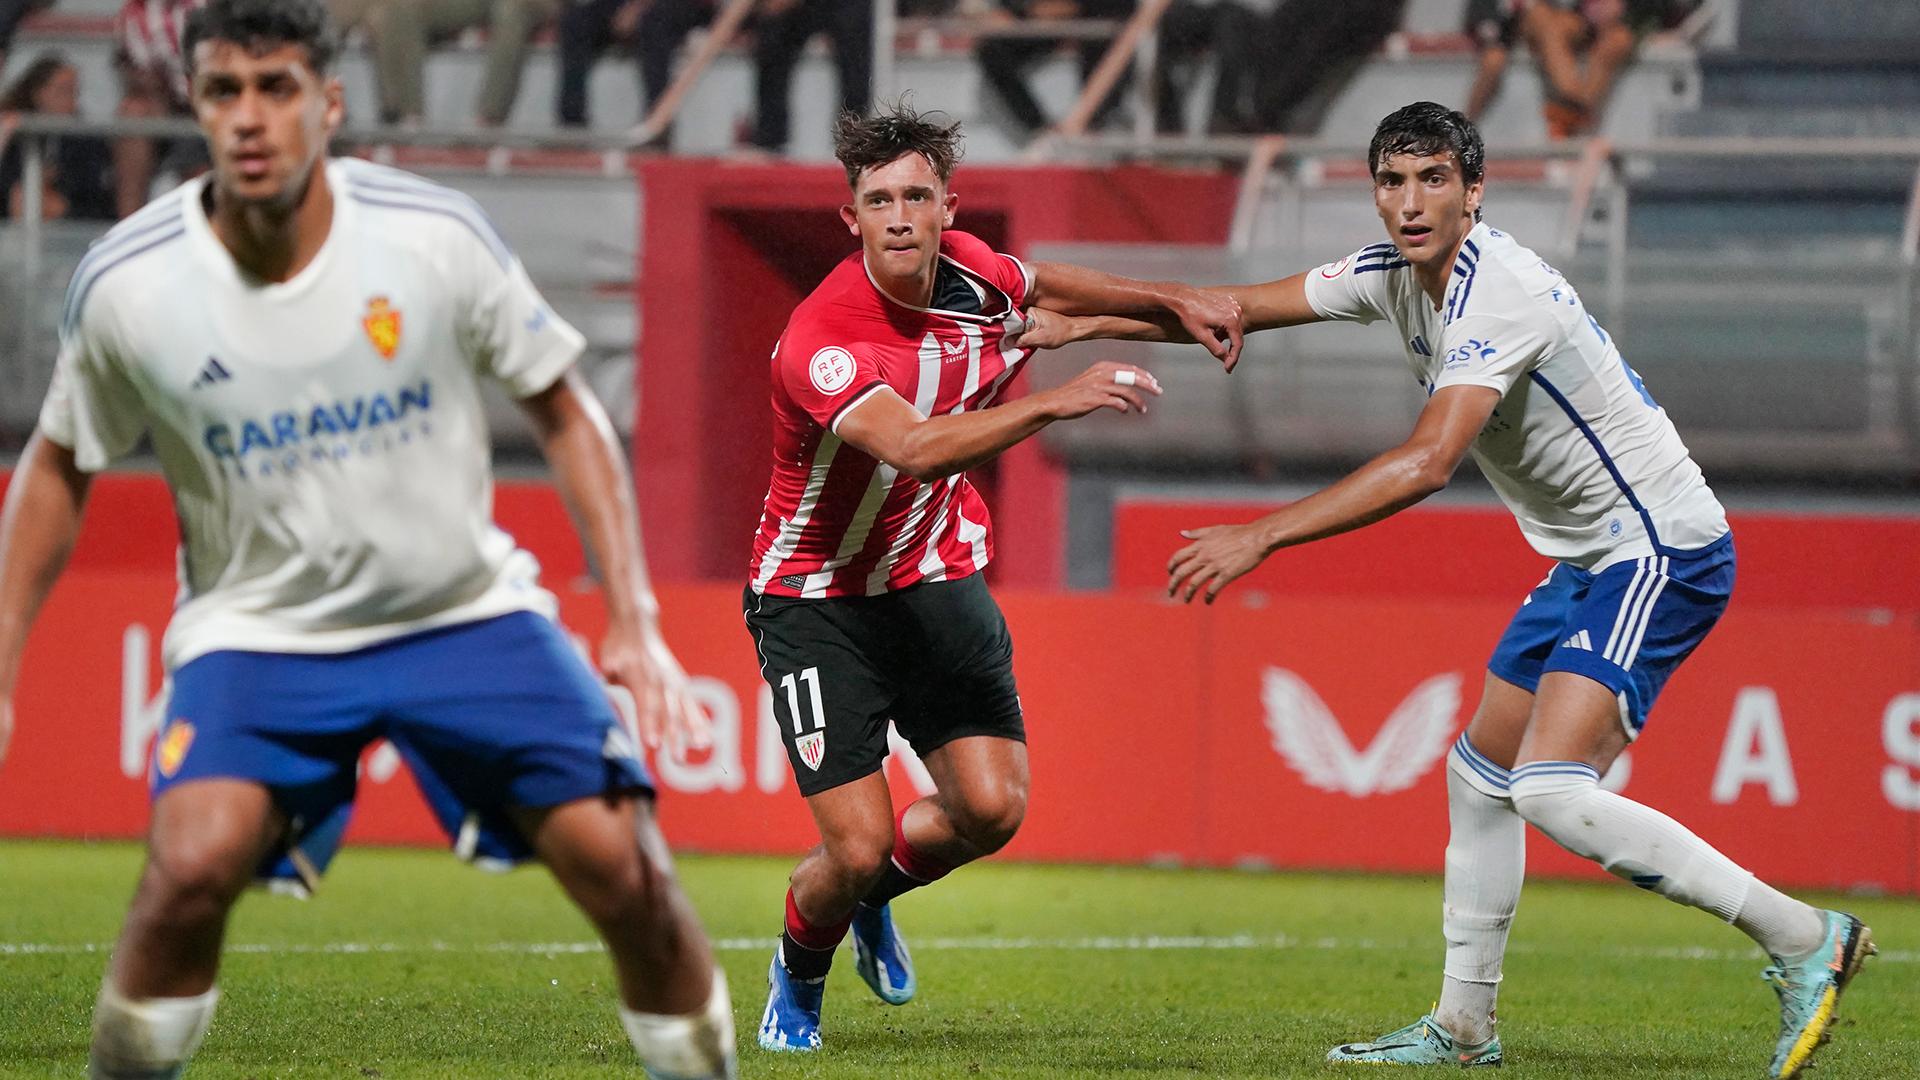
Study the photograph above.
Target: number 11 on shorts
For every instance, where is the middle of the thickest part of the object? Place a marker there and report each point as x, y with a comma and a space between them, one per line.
810, 745
811, 677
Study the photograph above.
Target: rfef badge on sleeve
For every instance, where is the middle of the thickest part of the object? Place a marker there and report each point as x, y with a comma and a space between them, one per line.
831, 370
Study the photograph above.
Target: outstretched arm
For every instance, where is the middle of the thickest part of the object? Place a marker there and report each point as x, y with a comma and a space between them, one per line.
929, 448
38, 527
1265, 306
1381, 488
1210, 317
591, 472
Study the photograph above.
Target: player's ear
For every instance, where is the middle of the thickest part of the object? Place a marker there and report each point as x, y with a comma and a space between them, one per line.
952, 202
852, 219
336, 108
1475, 192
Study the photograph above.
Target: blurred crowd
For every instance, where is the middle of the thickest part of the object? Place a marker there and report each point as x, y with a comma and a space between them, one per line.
1277, 64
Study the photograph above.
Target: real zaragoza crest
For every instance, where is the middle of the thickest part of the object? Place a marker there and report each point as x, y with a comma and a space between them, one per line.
172, 750
382, 323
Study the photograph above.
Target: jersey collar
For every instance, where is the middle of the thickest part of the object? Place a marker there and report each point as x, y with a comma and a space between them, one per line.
220, 261
1470, 248
960, 316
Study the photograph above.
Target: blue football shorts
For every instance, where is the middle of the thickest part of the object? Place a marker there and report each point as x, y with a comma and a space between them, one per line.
1627, 627
487, 715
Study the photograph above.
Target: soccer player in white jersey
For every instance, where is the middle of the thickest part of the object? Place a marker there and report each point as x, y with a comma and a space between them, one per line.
303, 341
1518, 374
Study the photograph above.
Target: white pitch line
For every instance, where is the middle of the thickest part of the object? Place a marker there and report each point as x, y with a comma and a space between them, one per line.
1238, 942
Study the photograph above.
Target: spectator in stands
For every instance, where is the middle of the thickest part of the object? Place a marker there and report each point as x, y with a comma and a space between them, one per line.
76, 169
782, 30
1494, 27
1581, 46
654, 29
1324, 46
153, 80
403, 31
1004, 60
12, 14
1237, 35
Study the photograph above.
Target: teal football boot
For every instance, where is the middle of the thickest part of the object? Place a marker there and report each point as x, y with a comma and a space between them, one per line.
1423, 1042
1810, 989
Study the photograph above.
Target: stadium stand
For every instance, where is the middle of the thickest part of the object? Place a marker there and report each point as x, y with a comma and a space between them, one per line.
1733, 277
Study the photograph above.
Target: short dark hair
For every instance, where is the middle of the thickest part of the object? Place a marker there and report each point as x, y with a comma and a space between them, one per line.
260, 25
866, 142
1425, 128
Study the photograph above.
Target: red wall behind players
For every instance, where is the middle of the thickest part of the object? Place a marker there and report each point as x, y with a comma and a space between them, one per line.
1299, 723
1802, 560
1295, 733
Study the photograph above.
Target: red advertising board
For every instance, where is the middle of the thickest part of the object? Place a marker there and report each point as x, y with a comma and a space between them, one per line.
1300, 722
1298, 733
1797, 560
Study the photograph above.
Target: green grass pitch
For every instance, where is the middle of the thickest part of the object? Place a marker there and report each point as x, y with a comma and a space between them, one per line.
408, 964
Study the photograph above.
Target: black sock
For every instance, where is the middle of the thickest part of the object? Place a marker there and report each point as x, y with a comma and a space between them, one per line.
893, 881
802, 962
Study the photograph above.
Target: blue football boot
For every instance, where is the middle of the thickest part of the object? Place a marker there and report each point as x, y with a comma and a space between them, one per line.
880, 954
792, 1020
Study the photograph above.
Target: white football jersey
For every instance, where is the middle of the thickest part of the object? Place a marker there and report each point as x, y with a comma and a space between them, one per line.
1577, 448
324, 437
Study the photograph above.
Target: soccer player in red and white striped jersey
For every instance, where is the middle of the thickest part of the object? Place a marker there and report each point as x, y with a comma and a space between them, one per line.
846, 523
865, 597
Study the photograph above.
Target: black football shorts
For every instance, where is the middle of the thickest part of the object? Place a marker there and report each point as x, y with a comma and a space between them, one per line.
934, 658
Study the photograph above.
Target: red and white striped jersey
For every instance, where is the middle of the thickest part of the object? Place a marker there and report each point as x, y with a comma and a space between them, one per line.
148, 36
837, 521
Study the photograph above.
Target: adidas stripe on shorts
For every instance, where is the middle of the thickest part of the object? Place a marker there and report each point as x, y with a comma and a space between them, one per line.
1627, 627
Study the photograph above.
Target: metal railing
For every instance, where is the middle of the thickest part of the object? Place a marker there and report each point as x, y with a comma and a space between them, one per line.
584, 260
1781, 357
1583, 201
890, 29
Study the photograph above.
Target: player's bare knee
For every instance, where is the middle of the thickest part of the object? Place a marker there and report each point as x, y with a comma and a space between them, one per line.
988, 821
612, 891
189, 882
861, 862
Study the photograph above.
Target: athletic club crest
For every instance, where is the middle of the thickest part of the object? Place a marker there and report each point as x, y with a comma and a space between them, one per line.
172, 750
382, 323
812, 747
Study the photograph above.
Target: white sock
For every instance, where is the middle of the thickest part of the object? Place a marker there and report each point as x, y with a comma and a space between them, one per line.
1486, 862
1564, 799
695, 1047
146, 1038
1785, 927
